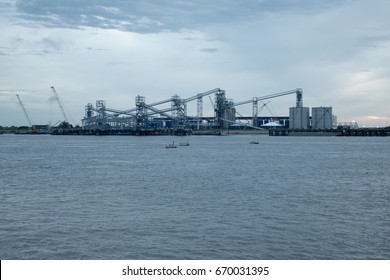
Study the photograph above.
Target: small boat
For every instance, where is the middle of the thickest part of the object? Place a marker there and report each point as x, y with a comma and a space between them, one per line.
184, 143
254, 142
172, 145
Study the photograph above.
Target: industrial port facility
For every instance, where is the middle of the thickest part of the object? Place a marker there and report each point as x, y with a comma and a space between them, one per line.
170, 117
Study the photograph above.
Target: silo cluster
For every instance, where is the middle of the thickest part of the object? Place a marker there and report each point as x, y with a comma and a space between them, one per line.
321, 118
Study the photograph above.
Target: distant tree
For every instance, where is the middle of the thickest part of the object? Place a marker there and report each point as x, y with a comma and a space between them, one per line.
65, 125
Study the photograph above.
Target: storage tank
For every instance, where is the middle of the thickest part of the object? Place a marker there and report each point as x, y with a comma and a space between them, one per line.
299, 118
321, 118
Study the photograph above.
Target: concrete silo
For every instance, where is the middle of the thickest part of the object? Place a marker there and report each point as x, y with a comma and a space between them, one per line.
299, 118
321, 118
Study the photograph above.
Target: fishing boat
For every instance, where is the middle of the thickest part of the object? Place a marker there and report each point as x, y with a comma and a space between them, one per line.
254, 142
172, 145
184, 143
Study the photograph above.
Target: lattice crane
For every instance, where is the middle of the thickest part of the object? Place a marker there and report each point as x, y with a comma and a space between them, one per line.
24, 110
60, 105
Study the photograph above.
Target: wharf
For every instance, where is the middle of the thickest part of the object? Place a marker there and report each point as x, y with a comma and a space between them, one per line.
230, 132
362, 132
151, 132
119, 132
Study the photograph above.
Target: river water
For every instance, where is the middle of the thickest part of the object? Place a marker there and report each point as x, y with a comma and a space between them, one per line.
128, 197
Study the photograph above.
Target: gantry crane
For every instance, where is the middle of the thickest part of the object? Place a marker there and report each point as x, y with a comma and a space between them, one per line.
24, 110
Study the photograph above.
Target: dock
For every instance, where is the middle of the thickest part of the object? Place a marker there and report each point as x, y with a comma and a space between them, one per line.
362, 132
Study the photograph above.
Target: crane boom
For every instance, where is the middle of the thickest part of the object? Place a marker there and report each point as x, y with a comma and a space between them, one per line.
24, 110
60, 105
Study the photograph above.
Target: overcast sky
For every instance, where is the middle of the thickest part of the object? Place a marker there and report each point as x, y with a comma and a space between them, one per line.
337, 51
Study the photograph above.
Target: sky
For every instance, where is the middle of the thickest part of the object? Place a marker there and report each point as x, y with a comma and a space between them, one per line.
338, 52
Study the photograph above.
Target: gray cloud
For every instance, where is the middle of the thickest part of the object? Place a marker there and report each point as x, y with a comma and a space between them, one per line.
374, 41
35, 46
97, 49
209, 50
5, 50
157, 15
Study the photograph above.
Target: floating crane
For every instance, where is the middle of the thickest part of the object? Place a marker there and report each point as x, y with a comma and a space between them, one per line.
61, 106
24, 110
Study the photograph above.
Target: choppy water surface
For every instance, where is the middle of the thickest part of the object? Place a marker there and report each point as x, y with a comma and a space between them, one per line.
81, 197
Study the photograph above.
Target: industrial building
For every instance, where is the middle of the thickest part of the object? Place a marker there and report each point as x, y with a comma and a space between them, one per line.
299, 118
322, 118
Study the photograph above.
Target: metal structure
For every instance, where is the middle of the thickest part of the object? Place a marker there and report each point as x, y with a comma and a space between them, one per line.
150, 116
225, 114
255, 100
146, 116
24, 110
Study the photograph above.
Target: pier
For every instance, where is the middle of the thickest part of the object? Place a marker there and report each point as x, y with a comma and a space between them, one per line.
362, 132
